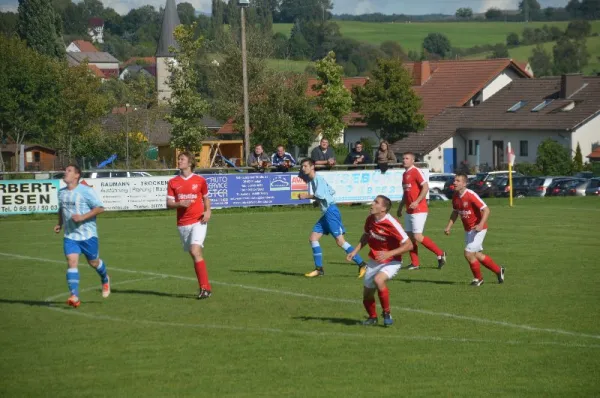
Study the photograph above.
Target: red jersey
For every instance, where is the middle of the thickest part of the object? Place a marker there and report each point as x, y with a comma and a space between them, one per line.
412, 184
384, 235
192, 188
468, 206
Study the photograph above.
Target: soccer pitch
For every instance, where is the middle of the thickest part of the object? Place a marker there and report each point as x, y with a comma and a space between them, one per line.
268, 331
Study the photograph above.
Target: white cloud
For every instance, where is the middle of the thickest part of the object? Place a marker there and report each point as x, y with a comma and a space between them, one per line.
501, 4
364, 7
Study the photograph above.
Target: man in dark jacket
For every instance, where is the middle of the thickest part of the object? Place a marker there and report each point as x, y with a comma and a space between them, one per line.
357, 156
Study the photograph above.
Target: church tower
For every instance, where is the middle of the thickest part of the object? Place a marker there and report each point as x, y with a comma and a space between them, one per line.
163, 55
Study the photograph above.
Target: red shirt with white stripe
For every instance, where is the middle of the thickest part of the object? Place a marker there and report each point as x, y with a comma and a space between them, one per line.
469, 206
192, 188
384, 235
413, 180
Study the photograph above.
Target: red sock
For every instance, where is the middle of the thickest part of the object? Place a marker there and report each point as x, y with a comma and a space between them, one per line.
428, 243
384, 298
202, 275
370, 307
490, 264
476, 269
414, 254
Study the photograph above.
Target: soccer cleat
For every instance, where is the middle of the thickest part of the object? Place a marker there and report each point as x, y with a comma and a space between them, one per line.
204, 294
442, 260
106, 288
477, 282
315, 272
370, 322
501, 275
362, 270
413, 267
73, 301
387, 319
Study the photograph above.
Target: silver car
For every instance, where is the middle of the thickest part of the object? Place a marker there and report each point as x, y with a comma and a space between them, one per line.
579, 189
539, 185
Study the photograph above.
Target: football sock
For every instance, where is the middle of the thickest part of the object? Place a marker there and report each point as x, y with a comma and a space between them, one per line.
428, 243
348, 249
101, 270
202, 274
414, 254
317, 253
476, 269
73, 281
490, 264
370, 307
384, 299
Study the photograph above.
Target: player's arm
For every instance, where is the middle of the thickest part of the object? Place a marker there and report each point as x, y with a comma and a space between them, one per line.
405, 246
59, 225
401, 205
485, 214
90, 214
451, 222
422, 195
207, 211
364, 241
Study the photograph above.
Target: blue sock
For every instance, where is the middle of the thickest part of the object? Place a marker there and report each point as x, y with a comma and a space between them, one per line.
317, 253
348, 249
73, 281
101, 270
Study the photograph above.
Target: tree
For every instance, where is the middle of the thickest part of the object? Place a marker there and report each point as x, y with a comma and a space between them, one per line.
578, 159
437, 43
494, 14
393, 50
8, 23
264, 15
512, 40
387, 102
574, 8
298, 46
41, 27
217, 16
578, 29
530, 9
334, 100
305, 10
590, 9
541, 61
186, 12
553, 158
570, 56
187, 106
464, 13
499, 51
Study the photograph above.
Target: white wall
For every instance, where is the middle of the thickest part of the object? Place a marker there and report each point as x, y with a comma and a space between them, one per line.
106, 65
73, 48
503, 79
586, 135
435, 158
162, 74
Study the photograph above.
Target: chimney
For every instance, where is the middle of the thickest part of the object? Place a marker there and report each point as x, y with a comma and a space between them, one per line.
421, 72
569, 84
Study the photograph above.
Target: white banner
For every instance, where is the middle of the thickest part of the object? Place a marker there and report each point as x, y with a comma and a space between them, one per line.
135, 193
28, 196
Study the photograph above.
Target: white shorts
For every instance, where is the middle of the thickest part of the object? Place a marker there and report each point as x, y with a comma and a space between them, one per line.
193, 234
415, 223
474, 240
373, 268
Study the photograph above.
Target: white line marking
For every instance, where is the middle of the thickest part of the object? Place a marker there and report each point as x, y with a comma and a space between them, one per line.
87, 289
336, 300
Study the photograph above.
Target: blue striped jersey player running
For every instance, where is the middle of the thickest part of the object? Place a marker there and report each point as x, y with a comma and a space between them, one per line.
330, 222
78, 207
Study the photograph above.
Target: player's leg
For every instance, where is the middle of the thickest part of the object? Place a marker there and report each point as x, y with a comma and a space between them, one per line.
386, 273
335, 226
317, 253
414, 252
418, 227
72, 250
91, 250
486, 260
369, 294
471, 250
348, 248
196, 245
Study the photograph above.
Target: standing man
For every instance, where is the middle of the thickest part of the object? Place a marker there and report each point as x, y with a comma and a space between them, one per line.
282, 160
188, 193
329, 223
388, 242
474, 214
357, 156
323, 155
78, 207
415, 191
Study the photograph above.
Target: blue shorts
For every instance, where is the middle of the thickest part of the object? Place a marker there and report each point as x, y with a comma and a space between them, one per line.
88, 247
330, 223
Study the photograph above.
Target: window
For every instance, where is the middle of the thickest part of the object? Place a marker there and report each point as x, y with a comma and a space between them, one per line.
470, 147
517, 106
476, 147
542, 105
36, 157
523, 148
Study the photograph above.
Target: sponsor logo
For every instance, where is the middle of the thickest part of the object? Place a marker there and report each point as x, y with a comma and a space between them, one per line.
377, 237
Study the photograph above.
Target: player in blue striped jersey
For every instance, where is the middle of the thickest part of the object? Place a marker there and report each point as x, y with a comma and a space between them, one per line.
79, 206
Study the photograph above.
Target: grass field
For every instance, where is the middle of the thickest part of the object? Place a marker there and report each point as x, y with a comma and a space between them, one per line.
268, 331
286, 65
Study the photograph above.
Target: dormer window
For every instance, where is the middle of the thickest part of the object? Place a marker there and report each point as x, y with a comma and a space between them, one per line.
542, 105
517, 106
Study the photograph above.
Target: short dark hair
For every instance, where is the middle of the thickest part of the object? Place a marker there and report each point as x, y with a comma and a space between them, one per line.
280, 146
309, 161
463, 175
411, 154
190, 157
358, 143
386, 201
75, 166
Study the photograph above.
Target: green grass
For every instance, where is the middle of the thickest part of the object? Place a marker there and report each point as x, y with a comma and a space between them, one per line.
286, 65
268, 331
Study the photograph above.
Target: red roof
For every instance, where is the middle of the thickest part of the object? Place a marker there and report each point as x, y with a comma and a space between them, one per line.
96, 71
95, 22
85, 46
595, 154
227, 128
349, 82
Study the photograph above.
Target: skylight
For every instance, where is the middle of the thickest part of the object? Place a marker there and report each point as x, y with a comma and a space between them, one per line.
517, 106
542, 105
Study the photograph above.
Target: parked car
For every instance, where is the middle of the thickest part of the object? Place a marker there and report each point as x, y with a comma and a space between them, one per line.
114, 174
482, 183
579, 189
594, 188
501, 188
438, 180
540, 184
560, 187
437, 196
584, 174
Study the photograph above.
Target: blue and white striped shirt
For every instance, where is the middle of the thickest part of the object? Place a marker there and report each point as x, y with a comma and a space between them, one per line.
322, 192
80, 200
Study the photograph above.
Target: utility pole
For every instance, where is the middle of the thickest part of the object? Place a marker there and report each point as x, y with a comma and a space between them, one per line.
245, 84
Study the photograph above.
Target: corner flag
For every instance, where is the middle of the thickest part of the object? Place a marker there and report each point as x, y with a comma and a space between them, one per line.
511, 162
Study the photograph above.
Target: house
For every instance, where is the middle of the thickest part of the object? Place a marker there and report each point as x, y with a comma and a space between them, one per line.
595, 155
106, 63
524, 113
77, 46
132, 70
96, 29
35, 157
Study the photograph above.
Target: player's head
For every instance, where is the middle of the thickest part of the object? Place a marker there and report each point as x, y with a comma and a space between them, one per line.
280, 150
381, 205
186, 160
324, 143
460, 182
72, 174
308, 167
408, 159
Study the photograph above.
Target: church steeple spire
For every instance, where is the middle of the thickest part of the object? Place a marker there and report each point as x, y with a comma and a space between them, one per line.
170, 21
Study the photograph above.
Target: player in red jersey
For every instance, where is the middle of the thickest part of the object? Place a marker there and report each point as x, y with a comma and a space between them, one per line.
474, 214
387, 241
415, 188
188, 193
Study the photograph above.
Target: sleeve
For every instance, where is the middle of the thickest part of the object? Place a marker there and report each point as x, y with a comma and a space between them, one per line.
392, 157
292, 159
397, 231
320, 188
170, 191
420, 177
477, 201
273, 160
313, 154
92, 198
204, 188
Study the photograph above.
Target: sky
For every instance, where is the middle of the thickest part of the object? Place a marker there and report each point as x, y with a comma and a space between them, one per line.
409, 7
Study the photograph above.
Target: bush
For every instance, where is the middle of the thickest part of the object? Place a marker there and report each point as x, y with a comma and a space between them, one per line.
528, 169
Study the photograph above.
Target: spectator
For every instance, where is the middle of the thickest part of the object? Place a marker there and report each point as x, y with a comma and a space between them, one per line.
323, 155
258, 159
357, 156
282, 160
384, 156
